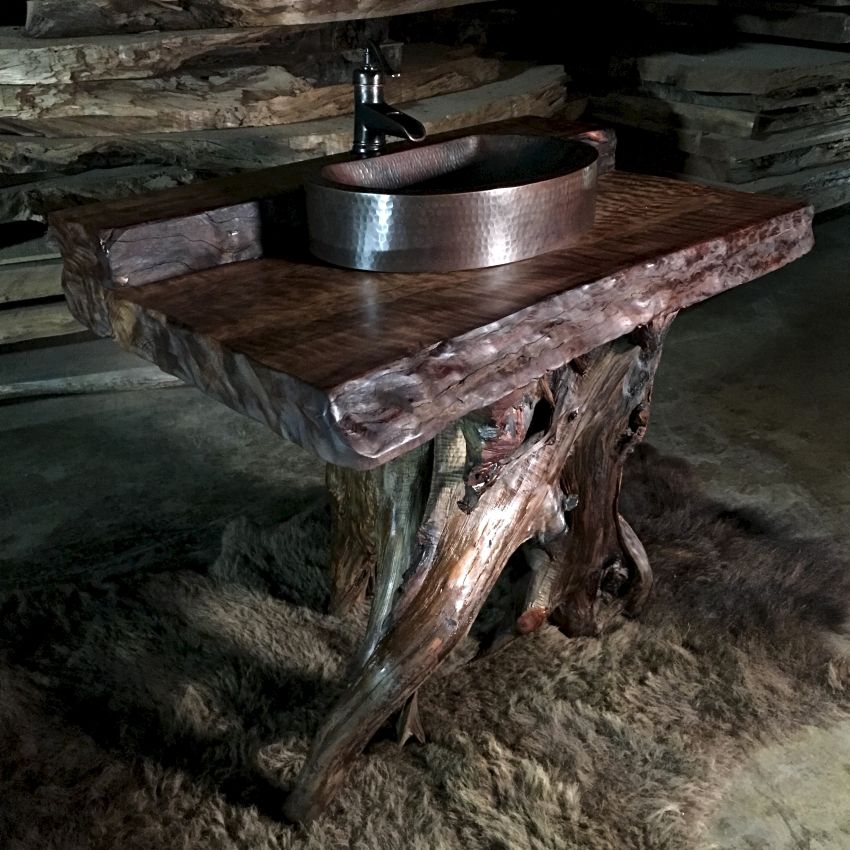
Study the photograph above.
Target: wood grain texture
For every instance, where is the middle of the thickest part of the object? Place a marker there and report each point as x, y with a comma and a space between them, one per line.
665, 115
36, 200
143, 378
250, 96
374, 365
490, 483
61, 61
25, 281
93, 17
30, 251
754, 69
39, 321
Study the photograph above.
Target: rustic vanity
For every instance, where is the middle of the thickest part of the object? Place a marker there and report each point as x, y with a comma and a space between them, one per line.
463, 415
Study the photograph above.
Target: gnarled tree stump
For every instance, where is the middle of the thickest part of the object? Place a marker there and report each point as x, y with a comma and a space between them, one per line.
431, 531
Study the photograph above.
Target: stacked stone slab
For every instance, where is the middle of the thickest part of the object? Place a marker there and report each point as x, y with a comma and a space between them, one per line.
759, 117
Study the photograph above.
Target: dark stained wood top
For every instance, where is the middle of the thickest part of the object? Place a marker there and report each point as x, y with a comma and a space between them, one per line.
361, 367
339, 325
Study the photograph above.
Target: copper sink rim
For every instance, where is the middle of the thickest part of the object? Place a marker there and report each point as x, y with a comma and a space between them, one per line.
586, 155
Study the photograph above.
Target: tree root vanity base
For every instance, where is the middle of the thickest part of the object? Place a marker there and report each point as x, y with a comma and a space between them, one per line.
466, 417
431, 531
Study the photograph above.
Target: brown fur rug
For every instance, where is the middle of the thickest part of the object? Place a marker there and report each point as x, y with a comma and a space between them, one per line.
171, 710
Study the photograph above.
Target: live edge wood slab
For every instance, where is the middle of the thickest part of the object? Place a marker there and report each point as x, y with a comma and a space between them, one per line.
466, 417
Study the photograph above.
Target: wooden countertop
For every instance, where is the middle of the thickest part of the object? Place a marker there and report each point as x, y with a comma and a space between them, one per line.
361, 367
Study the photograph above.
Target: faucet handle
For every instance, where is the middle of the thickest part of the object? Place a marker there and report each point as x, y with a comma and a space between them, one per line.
373, 54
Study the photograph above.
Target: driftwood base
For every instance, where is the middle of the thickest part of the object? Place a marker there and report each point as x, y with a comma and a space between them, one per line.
430, 532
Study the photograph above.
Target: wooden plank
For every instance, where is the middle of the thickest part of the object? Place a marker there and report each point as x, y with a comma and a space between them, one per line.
34, 201
823, 98
825, 187
40, 321
25, 281
99, 17
256, 96
637, 110
716, 146
813, 25
659, 114
61, 61
143, 378
755, 69
651, 150
31, 251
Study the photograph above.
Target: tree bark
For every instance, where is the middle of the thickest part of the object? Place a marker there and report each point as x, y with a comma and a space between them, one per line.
542, 467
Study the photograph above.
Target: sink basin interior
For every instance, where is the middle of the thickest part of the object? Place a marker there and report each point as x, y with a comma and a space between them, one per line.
467, 164
470, 202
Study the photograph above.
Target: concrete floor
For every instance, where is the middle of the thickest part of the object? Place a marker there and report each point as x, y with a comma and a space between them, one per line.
754, 389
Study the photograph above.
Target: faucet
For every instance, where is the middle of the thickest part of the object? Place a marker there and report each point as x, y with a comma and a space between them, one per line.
374, 119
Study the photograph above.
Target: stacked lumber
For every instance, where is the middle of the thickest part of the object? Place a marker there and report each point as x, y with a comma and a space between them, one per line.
32, 306
103, 99
97, 17
757, 117
820, 21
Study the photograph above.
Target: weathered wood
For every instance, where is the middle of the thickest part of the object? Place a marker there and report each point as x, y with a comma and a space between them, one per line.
28, 61
40, 321
93, 17
657, 246
771, 114
28, 251
34, 201
143, 378
754, 69
25, 281
662, 115
506, 477
810, 25
716, 146
253, 96
655, 114
354, 546
787, 102
590, 557
825, 187
650, 151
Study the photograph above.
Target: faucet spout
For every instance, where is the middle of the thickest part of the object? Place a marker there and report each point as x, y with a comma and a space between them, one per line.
386, 119
374, 119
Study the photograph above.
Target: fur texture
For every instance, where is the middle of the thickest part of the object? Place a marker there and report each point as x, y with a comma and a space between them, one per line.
172, 709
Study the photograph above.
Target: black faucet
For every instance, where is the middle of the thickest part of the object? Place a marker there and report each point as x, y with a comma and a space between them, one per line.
374, 119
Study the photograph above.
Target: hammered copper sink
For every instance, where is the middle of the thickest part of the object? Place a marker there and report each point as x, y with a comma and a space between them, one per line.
471, 202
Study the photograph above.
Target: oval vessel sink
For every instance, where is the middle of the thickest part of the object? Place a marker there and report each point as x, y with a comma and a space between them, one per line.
466, 203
